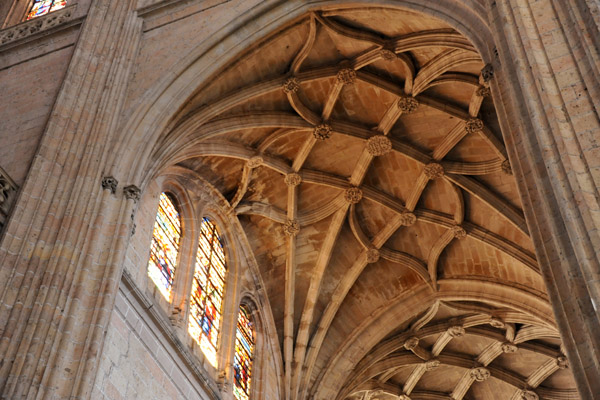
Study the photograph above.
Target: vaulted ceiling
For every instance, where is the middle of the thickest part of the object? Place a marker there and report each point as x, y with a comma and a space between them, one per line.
361, 152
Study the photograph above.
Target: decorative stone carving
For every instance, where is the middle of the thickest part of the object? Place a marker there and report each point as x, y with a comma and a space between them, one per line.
379, 145
483, 91
433, 171
293, 179
353, 195
487, 72
403, 397
407, 218
291, 227
110, 183
473, 125
322, 132
459, 232
497, 323
562, 362
347, 76
456, 331
509, 347
506, 168
291, 85
479, 374
7, 190
132, 192
528, 395
372, 255
387, 54
411, 343
255, 162
408, 104
430, 365
36, 25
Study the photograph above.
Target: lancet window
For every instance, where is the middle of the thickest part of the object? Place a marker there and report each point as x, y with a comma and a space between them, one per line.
244, 355
165, 245
207, 290
42, 7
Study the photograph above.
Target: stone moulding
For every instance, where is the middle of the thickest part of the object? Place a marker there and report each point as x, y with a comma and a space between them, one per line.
39, 24
8, 190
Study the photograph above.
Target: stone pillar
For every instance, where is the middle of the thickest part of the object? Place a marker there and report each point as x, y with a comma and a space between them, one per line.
547, 89
61, 256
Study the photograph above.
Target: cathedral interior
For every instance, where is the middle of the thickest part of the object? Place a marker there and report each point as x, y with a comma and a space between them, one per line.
366, 200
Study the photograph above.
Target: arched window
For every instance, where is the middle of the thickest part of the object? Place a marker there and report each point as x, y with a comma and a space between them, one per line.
207, 290
42, 7
165, 245
244, 355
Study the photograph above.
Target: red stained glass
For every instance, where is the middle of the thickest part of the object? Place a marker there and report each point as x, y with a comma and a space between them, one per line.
244, 355
42, 7
207, 290
165, 245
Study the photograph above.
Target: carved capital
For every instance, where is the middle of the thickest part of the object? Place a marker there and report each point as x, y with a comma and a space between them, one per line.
473, 125
291, 227
291, 85
372, 255
506, 168
411, 343
110, 183
322, 132
255, 162
408, 104
132, 192
433, 171
346, 76
293, 179
528, 395
487, 72
459, 232
353, 195
509, 347
483, 91
379, 145
430, 365
407, 218
456, 331
562, 362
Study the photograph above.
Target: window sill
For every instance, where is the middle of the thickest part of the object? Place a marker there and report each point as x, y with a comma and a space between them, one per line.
27, 29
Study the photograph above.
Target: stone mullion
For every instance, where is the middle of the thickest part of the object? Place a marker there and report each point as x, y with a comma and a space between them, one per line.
562, 243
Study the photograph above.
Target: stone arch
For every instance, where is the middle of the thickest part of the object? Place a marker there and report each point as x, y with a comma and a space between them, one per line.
157, 116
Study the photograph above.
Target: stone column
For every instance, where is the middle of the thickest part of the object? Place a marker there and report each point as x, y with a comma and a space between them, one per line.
62, 253
547, 89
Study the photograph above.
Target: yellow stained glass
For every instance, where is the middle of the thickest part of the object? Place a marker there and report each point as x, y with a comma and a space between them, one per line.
244, 355
165, 245
208, 286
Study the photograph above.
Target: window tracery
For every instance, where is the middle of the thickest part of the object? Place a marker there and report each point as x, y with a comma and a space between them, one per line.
208, 287
42, 7
165, 245
244, 355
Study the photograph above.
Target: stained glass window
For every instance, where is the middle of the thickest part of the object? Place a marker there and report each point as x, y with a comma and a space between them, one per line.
165, 245
207, 290
244, 354
41, 7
